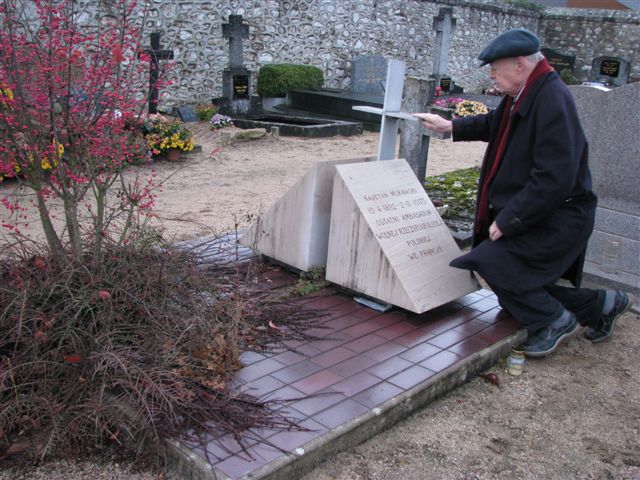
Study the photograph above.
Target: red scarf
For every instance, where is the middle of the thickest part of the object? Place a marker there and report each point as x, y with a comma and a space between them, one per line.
499, 145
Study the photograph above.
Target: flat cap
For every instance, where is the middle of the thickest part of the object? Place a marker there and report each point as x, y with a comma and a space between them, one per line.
513, 43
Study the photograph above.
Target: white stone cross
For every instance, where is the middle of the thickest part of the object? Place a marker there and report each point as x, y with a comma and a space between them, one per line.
390, 112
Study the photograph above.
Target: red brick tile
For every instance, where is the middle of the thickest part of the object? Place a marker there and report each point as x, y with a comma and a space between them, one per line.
484, 305
434, 314
440, 361
384, 351
336, 340
413, 338
316, 382
355, 384
494, 315
325, 303
395, 330
448, 338
284, 396
289, 357
226, 445
343, 322
340, 413
499, 330
469, 299
365, 343
353, 365
236, 466
344, 308
333, 356
471, 327
451, 321
410, 377
469, 346
308, 349
377, 395
258, 369
360, 329
290, 440
320, 331
384, 320
263, 385
366, 313
390, 367
248, 358
419, 352
297, 372
317, 403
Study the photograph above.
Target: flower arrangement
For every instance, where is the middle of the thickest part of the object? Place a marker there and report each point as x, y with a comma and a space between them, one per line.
205, 111
449, 102
219, 121
164, 134
467, 108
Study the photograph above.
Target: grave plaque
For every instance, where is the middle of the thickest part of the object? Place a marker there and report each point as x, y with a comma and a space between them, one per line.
610, 68
387, 240
558, 60
295, 230
613, 71
445, 84
187, 114
368, 74
241, 86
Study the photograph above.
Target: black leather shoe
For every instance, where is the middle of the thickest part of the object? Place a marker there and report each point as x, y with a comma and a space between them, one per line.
621, 304
545, 341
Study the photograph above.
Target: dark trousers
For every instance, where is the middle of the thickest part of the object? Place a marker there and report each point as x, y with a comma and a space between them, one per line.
538, 308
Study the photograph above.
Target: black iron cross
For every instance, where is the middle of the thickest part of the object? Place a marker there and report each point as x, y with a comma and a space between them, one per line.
156, 53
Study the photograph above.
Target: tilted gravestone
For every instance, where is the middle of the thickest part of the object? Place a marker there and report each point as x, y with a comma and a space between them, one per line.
295, 230
387, 240
610, 120
613, 71
559, 61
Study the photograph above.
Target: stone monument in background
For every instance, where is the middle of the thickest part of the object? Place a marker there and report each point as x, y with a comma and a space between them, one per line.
236, 78
611, 120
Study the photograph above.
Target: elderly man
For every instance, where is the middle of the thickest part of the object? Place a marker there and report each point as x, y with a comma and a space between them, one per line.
535, 208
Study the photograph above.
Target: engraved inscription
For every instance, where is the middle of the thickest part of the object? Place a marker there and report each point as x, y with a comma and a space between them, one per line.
404, 213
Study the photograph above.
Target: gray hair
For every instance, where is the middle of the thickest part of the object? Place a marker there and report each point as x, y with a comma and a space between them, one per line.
535, 57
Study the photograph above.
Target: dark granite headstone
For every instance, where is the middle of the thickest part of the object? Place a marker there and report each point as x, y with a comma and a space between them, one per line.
558, 60
368, 74
236, 79
610, 119
613, 71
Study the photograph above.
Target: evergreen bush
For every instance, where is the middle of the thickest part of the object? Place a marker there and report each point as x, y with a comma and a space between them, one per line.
275, 79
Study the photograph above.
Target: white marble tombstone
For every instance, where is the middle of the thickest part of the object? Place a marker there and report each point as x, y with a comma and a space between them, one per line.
387, 240
295, 230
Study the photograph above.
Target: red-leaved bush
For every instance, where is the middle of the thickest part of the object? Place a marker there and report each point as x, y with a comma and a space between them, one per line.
71, 92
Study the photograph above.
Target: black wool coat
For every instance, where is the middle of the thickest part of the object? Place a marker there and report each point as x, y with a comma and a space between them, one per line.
541, 197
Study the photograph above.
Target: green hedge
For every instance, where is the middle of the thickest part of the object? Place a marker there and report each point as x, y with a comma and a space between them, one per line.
275, 79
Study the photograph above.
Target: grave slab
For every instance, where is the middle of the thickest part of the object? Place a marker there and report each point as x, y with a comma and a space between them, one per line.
295, 230
387, 240
610, 120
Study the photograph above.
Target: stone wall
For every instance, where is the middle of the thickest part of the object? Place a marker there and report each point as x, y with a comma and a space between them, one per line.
589, 34
329, 33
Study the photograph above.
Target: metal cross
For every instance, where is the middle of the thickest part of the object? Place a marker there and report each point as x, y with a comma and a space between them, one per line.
155, 53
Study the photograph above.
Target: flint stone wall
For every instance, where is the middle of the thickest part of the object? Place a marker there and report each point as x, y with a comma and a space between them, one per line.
329, 33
